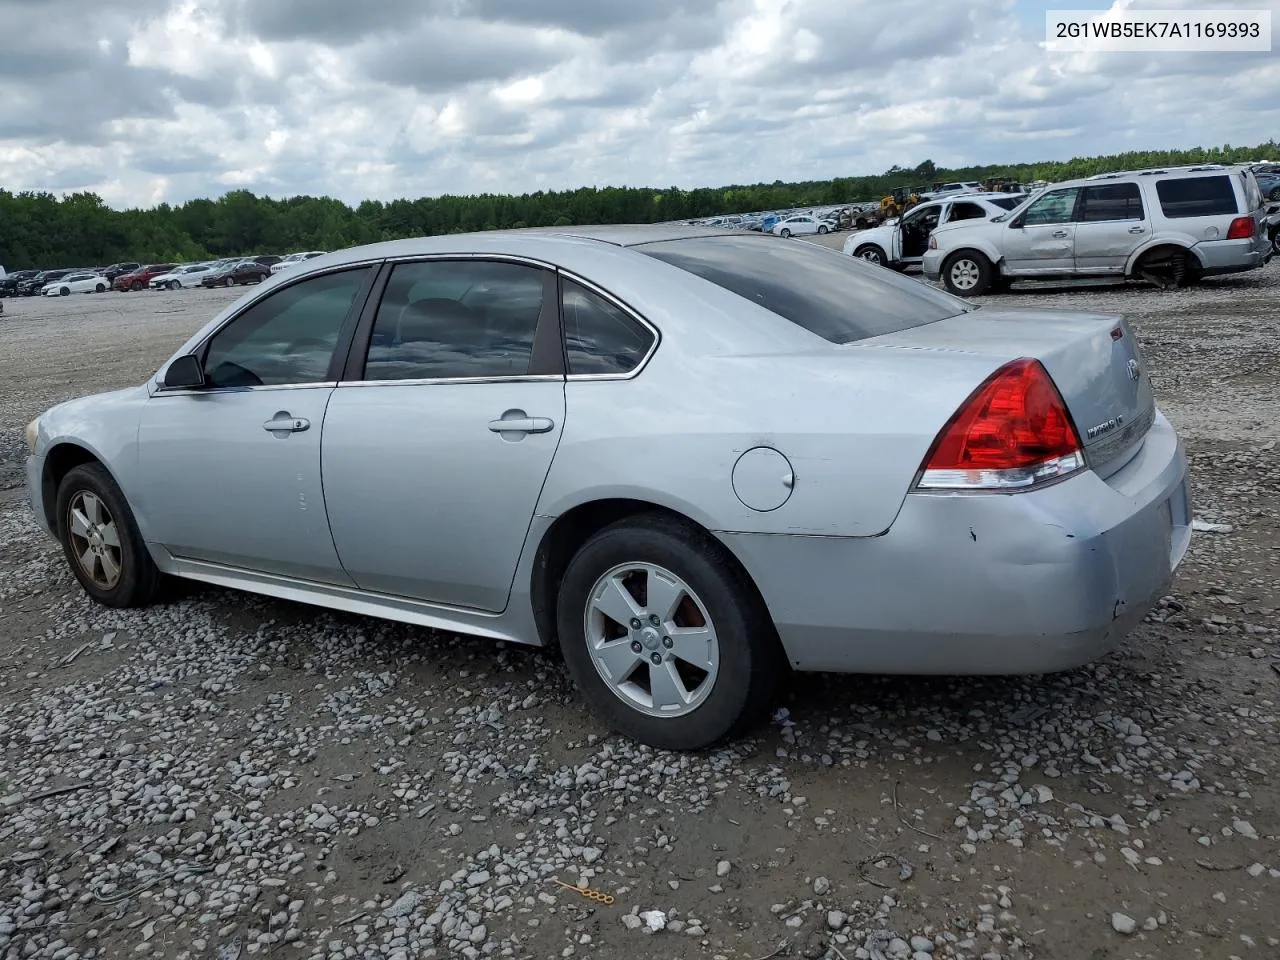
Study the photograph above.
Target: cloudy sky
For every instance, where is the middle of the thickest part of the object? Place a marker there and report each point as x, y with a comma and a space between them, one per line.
145, 101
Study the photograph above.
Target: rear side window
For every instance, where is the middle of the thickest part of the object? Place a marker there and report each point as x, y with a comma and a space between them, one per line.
1115, 201
451, 319
1197, 197
965, 211
839, 298
1252, 194
599, 338
1007, 203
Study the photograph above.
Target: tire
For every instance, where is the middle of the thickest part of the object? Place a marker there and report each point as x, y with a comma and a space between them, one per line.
229, 282
746, 661
1274, 194
872, 254
1275, 242
64, 292
785, 233
138, 581
136, 285
173, 284
100, 288
966, 273
822, 229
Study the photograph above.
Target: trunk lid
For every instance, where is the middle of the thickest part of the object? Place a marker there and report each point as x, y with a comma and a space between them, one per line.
1094, 359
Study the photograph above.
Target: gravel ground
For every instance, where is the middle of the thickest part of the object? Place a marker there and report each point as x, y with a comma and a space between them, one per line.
226, 773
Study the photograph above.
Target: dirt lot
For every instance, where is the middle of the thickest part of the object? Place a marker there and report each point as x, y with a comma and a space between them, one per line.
276, 779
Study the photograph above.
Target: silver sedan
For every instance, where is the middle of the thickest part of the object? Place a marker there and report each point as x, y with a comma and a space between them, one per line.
692, 458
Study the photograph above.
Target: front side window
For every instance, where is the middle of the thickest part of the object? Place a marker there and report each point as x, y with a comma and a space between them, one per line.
815, 288
600, 338
450, 319
1197, 197
1056, 206
1115, 201
287, 337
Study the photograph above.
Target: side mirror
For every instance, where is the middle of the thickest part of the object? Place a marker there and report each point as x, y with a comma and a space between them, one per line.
185, 373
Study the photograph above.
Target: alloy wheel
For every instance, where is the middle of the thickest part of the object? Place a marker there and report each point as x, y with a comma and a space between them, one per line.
964, 274
651, 640
95, 539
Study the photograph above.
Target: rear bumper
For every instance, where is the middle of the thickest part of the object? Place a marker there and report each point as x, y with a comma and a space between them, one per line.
984, 584
1230, 256
932, 265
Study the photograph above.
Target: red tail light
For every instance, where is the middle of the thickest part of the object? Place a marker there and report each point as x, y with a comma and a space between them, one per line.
1242, 228
1013, 432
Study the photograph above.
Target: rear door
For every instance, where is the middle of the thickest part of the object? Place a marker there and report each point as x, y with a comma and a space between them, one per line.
439, 438
1110, 224
1041, 239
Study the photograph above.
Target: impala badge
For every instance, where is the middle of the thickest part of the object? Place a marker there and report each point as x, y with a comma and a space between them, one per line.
1134, 370
1107, 426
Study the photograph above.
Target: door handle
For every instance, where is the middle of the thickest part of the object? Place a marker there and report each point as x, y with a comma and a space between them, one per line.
283, 423
1137, 229
1061, 234
522, 425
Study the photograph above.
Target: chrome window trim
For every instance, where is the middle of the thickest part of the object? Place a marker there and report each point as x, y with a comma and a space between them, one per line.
625, 308
163, 391
437, 381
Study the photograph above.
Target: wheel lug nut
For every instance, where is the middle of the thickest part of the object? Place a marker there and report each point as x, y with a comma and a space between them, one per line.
635, 623
656, 658
635, 646
668, 642
653, 618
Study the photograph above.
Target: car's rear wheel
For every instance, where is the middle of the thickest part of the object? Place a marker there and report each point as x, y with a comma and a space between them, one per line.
966, 273
871, 253
101, 540
664, 635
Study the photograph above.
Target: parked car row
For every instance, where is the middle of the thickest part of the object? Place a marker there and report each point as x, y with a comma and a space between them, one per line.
132, 276
1170, 225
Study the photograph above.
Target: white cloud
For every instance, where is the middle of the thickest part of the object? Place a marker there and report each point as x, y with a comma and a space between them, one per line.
173, 99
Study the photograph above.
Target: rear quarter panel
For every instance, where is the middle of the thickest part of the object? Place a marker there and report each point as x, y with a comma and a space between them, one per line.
854, 422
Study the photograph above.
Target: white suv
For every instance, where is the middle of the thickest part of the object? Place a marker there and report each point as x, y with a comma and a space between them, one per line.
900, 243
1171, 226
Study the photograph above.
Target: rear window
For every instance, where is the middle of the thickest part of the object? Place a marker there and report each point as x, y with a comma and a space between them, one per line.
1197, 197
839, 298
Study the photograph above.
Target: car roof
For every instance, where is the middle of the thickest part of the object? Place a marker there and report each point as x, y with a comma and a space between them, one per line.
1183, 172
622, 234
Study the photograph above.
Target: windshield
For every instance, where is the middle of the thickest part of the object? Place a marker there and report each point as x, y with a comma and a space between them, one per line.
839, 298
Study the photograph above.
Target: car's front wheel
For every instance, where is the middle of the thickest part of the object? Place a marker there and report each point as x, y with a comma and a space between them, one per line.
229, 282
64, 292
785, 233
101, 541
967, 274
871, 253
100, 288
822, 228
664, 635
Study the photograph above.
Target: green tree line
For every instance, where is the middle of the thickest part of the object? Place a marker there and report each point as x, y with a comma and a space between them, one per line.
38, 229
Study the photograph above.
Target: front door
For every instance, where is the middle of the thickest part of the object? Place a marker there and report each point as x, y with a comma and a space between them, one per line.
1110, 225
914, 229
230, 473
436, 451
1042, 238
